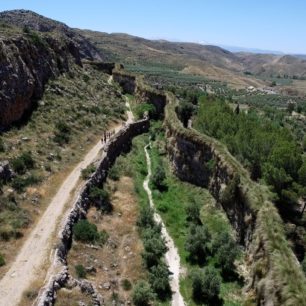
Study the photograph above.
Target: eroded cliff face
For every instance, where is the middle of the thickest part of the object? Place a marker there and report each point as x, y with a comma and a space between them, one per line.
275, 276
133, 85
197, 163
26, 64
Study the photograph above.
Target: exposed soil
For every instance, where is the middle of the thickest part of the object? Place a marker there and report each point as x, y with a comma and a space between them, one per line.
120, 258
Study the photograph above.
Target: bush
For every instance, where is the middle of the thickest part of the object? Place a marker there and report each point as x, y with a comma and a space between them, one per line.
142, 294
158, 179
85, 231
2, 146
304, 265
23, 162
193, 213
146, 218
206, 284
143, 108
62, 133
2, 260
226, 251
101, 198
197, 243
88, 171
31, 294
20, 183
126, 284
154, 249
159, 280
80, 271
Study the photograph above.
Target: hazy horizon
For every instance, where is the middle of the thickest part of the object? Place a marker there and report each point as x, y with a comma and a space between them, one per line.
259, 24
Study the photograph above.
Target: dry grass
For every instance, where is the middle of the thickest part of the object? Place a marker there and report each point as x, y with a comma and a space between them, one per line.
66, 297
70, 99
120, 257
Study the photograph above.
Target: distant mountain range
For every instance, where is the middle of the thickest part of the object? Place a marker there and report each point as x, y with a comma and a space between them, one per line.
236, 49
211, 61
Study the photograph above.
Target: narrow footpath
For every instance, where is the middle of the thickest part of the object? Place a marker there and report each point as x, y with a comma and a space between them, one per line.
172, 256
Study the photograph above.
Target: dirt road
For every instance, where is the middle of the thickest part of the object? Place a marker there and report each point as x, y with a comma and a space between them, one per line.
172, 256
36, 249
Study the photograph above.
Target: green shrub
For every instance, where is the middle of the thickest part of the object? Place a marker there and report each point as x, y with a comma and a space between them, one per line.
159, 280
114, 174
206, 284
87, 232
142, 294
143, 108
23, 162
193, 212
88, 171
159, 178
62, 133
304, 265
126, 284
154, 249
31, 294
2, 146
226, 251
146, 217
80, 271
20, 183
2, 260
197, 243
101, 198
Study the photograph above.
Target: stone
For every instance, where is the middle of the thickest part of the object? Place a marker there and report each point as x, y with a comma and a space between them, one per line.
6, 173
91, 269
107, 286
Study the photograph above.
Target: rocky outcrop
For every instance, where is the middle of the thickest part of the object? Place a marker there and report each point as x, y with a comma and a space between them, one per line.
28, 20
133, 85
126, 81
6, 173
34, 49
27, 62
101, 66
116, 145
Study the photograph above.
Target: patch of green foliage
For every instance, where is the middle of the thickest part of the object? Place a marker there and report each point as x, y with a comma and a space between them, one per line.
206, 285
100, 198
265, 147
23, 162
142, 294
2, 260
88, 171
62, 133
85, 231
80, 271
126, 284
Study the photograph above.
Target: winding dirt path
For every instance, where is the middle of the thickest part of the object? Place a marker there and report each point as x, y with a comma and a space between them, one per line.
172, 256
36, 250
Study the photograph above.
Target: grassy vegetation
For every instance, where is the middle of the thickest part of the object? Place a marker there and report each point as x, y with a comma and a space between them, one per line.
173, 204
68, 120
279, 259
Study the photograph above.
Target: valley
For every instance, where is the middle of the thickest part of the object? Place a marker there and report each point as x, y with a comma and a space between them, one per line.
147, 172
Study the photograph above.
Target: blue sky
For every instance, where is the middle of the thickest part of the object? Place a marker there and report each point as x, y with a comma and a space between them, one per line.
265, 24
